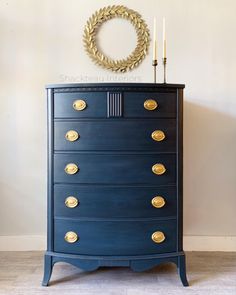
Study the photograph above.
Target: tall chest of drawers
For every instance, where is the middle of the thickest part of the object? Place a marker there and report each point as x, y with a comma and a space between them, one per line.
115, 188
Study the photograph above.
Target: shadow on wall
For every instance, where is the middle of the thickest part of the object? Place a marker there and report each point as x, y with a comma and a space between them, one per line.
209, 171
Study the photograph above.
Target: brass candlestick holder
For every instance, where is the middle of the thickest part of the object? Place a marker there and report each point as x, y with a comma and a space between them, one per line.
164, 61
154, 63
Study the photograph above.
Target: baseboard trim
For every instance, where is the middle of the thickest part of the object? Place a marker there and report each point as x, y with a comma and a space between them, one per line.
23, 243
210, 243
191, 243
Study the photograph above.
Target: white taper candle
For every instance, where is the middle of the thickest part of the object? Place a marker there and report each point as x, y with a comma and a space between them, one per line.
154, 40
164, 37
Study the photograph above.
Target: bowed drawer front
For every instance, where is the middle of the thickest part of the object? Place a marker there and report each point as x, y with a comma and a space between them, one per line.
156, 135
115, 176
80, 105
150, 105
122, 237
115, 168
131, 104
75, 201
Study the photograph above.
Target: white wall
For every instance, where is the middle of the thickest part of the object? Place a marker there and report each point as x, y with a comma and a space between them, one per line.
41, 42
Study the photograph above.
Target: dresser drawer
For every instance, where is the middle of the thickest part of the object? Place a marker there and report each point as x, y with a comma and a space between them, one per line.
134, 105
114, 168
100, 201
158, 135
114, 237
69, 105
95, 105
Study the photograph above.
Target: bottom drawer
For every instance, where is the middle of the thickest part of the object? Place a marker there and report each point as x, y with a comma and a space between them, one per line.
115, 237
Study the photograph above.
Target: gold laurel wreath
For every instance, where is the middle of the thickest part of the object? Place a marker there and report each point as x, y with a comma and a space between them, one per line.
107, 13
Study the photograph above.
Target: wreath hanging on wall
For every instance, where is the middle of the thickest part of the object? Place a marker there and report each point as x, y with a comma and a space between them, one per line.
105, 14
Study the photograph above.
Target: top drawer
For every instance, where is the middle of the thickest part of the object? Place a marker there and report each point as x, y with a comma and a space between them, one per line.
126, 104
164, 105
67, 105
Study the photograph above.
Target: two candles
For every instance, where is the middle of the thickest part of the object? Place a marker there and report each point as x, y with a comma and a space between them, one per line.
155, 39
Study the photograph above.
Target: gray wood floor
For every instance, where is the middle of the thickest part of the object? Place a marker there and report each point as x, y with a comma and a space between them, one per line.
208, 273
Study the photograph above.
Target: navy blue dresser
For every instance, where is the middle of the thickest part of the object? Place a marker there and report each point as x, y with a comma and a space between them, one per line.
115, 170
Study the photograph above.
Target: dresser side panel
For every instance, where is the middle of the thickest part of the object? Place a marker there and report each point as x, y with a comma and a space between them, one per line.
50, 144
180, 168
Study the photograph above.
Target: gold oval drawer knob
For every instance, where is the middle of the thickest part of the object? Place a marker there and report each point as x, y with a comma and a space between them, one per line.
71, 168
72, 135
158, 202
158, 237
71, 237
158, 169
79, 105
150, 104
71, 202
158, 135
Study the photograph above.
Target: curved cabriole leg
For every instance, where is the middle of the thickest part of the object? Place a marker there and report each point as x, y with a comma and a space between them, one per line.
182, 270
48, 265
